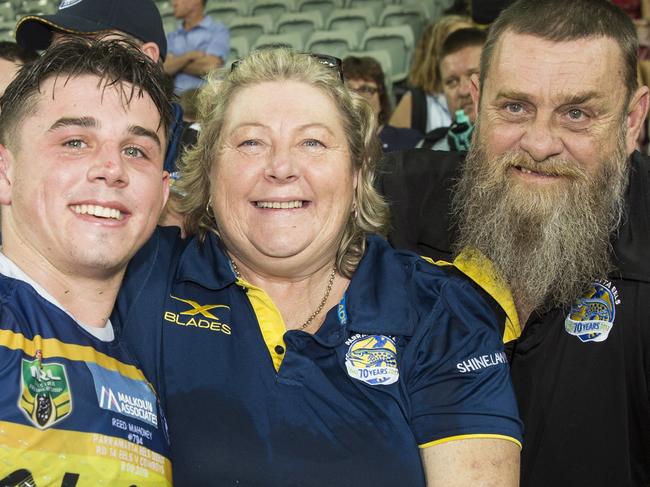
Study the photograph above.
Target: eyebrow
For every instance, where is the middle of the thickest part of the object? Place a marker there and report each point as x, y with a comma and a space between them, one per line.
571, 99
301, 127
90, 122
85, 122
144, 132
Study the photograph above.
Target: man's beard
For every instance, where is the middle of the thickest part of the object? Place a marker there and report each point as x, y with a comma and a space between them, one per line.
549, 242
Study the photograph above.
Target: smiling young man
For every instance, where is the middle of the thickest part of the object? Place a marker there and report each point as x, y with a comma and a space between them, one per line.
554, 194
82, 138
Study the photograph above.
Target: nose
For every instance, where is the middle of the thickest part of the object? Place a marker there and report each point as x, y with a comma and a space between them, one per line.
540, 139
464, 86
109, 168
281, 166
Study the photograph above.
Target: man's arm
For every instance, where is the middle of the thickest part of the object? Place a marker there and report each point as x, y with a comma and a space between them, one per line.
203, 65
173, 64
479, 462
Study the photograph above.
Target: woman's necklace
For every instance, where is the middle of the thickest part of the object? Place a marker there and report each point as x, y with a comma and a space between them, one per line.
320, 307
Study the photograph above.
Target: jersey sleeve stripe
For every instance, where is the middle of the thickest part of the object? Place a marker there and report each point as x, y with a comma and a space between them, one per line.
56, 348
467, 437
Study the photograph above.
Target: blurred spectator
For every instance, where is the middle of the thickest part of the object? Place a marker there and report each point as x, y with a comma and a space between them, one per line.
199, 45
423, 107
364, 76
12, 57
460, 58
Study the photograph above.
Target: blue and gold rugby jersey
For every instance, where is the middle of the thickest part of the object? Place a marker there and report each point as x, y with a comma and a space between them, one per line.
409, 359
74, 410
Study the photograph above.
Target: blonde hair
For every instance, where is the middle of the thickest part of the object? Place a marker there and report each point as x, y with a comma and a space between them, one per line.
424, 73
370, 214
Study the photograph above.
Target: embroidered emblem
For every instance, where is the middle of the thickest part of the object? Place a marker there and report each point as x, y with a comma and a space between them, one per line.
68, 3
373, 359
45, 397
592, 317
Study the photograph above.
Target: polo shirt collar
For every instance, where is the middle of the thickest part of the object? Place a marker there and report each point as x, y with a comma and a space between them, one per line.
206, 264
377, 300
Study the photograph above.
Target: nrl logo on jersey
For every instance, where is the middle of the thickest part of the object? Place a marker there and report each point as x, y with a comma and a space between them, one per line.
372, 359
592, 317
45, 398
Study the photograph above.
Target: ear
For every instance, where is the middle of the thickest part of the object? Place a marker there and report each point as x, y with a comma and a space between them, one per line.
475, 91
165, 183
152, 50
6, 162
636, 113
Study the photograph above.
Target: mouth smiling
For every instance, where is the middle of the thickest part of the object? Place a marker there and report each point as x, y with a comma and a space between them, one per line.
98, 211
281, 205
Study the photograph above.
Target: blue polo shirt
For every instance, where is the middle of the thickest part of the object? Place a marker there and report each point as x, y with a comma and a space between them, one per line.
208, 36
411, 357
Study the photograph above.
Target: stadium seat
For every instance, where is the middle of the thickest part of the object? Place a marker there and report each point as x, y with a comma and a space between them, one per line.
170, 24
358, 20
303, 23
37, 7
251, 27
325, 7
292, 39
413, 15
332, 42
7, 11
226, 11
239, 47
274, 8
376, 5
398, 41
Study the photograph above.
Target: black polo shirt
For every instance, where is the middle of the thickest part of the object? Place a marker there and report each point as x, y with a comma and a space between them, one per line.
581, 374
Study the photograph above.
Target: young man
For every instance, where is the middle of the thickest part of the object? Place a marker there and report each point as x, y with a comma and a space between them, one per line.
554, 195
82, 139
136, 20
198, 46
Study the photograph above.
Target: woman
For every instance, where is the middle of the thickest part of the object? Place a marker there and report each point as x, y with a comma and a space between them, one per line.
292, 345
364, 76
424, 107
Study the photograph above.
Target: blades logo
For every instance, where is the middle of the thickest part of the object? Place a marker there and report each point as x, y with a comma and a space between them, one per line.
200, 316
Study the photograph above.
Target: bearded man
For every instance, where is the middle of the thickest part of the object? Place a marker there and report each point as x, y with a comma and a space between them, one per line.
554, 202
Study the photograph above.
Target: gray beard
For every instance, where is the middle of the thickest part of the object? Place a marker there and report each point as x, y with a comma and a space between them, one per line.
549, 243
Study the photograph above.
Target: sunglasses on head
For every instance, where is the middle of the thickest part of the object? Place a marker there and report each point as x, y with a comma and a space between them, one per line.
330, 61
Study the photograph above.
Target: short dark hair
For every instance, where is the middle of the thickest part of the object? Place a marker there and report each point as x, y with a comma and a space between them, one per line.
562, 20
113, 61
460, 39
13, 52
369, 69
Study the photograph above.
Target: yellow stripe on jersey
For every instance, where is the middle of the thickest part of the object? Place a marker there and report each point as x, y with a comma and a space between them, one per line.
269, 319
469, 437
97, 459
479, 269
51, 348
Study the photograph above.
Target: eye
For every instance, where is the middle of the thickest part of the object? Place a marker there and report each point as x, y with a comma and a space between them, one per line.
514, 107
75, 144
313, 143
451, 83
576, 114
133, 152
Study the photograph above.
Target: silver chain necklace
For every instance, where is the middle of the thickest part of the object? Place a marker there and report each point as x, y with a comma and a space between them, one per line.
320, 307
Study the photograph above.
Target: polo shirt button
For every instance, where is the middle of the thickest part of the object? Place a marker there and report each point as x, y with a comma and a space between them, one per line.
279, 349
